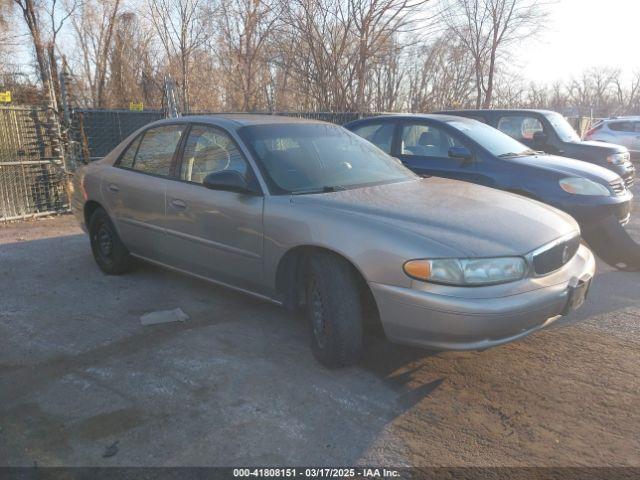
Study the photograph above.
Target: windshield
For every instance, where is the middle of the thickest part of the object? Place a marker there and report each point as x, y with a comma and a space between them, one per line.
315, 158
563, 128
497, 143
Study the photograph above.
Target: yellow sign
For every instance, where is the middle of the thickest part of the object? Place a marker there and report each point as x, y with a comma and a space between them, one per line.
136, 106
5, 97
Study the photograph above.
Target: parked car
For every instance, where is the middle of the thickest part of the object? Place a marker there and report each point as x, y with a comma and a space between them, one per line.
621, 131
551, 133
466, 149
308, 215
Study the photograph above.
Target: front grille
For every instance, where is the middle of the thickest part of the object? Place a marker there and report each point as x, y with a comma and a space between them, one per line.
555, 256
618, 187
629, 181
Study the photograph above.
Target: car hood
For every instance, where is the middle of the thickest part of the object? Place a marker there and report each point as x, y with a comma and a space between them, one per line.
604, 145
569, 167
474, 220
592, 150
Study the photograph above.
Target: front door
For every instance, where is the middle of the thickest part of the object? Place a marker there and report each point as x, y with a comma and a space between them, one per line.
214, 233
134, 189
424, 148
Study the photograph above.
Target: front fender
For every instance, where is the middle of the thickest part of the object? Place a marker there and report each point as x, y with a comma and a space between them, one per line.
377, 249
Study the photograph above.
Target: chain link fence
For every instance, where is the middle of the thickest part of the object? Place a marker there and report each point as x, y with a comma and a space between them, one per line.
96, 132
34, 169
32, 173
339, 118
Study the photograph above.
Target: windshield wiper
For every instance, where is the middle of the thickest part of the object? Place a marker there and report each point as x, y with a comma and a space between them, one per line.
323, 189
514, 154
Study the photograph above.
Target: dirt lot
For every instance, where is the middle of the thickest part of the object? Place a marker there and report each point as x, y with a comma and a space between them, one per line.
237, 385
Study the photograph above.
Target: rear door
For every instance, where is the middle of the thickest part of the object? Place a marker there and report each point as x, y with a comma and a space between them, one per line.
424, 148
134, 189
213, 233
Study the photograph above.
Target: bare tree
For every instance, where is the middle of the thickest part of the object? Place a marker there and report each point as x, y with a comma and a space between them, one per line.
628, 99
182, 27
594, 91
94, 25
375, 23
31, 13
134, 72
386, 79
487, 28
245, 28
441, 75
319, 35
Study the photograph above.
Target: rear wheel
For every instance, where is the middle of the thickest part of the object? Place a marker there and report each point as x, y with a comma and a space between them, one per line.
334, 311
108, 250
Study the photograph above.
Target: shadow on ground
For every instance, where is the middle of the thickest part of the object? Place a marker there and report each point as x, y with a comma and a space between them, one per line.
237, 385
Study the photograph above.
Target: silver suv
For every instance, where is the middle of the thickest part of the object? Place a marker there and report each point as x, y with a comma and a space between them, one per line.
621, 130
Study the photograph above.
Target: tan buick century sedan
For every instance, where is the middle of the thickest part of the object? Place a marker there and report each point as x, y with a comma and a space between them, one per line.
308, 215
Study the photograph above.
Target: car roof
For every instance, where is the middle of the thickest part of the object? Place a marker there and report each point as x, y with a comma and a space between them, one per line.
439, 117
238, 120
499, 111
615, 119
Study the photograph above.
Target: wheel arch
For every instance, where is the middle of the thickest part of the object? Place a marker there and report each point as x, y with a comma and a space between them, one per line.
89, 208
293, 267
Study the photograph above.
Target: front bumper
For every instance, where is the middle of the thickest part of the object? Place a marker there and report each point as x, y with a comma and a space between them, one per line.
595, 212
475, 318
627, 172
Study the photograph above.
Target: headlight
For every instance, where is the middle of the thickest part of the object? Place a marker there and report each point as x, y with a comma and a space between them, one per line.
583, 186
618, 158
467, 271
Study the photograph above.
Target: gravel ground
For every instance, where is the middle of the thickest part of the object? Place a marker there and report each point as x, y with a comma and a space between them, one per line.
237, 385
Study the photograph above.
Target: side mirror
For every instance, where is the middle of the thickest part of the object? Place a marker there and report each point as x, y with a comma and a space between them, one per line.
540, 138
230, 181
463, 153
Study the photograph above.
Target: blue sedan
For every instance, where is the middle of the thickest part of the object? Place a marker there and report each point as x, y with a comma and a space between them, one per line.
466, 149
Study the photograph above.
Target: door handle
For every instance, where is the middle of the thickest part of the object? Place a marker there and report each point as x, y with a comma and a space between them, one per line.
178, 204
114, 188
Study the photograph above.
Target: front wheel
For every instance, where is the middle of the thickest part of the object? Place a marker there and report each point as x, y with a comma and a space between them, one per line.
334, 311
613, 244
108, 250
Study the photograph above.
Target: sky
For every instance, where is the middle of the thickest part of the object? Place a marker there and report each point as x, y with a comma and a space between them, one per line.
583, 34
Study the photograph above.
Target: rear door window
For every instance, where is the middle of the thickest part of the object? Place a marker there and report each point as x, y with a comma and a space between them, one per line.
126, 159
426, 141
380, 134
520, 127
157, 149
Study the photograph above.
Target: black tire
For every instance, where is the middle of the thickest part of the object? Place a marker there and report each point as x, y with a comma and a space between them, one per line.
614, 245
334, 311
108, 250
